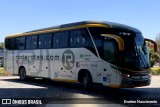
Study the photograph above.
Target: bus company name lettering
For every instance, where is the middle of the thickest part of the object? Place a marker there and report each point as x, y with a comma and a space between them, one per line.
38, 57
85, 57
88, 65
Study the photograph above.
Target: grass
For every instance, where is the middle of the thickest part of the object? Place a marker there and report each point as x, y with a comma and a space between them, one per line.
3, 73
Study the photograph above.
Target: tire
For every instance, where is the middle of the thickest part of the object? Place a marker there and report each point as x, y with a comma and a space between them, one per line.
22, 73
86, 81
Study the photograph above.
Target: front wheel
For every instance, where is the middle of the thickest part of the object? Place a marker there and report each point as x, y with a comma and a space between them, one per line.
87, 81
22, 74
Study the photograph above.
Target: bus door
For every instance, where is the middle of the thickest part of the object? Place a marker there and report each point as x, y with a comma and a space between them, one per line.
99, 72
109, 56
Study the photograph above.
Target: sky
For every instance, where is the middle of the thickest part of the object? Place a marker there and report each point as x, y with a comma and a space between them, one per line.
18, 16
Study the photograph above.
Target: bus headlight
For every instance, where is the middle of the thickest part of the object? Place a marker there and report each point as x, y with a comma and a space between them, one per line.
149, 74
118, 71
126, 75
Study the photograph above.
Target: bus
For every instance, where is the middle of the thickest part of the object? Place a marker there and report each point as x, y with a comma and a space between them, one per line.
86, 52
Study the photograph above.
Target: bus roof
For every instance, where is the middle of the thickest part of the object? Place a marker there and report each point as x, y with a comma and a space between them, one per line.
82, 24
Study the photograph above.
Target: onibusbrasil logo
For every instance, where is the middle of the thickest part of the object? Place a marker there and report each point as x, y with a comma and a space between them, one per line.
68, 59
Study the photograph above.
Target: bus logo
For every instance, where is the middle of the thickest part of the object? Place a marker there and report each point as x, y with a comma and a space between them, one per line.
68, 59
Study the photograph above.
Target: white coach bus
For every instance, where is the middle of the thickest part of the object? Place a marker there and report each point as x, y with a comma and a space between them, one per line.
88, 52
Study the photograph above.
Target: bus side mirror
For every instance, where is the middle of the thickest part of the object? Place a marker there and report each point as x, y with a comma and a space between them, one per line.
153, 42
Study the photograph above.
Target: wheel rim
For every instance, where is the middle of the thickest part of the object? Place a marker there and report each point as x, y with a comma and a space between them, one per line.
85, 81
22, 73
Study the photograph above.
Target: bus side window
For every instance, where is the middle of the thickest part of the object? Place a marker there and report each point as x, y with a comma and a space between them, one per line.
56, 40
34, 42
31, 42
9, 43
81, 38
77, 39
64, 39
20, 43
28, 42
45, 41
41, 41
87, 42
17, 43
73, 36
48, 40
99, 45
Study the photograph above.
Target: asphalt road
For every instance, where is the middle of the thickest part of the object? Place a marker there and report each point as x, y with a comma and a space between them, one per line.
68, 94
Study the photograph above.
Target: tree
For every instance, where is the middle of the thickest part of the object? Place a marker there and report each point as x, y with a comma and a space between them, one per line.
1, 45
158, 39
153, 56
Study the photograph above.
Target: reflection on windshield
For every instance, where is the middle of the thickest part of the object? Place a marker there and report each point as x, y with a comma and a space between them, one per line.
142, 51
136, 53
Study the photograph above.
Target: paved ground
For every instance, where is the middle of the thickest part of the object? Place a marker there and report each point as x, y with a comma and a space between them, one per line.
56, 92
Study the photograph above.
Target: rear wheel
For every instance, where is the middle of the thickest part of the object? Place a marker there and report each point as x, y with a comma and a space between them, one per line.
22, 73
86, 81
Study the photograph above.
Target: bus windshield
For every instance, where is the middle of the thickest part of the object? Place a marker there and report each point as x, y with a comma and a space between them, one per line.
135, 55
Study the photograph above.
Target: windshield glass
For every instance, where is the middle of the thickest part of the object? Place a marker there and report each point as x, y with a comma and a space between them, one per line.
135, 54
142, 50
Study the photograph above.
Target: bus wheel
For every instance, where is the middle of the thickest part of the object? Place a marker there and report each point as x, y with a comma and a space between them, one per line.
86, 81
22, 73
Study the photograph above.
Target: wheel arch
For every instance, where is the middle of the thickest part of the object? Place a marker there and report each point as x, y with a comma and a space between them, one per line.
20, 68
82, 72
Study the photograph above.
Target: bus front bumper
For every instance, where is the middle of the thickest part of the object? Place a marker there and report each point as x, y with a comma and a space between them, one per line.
134, 81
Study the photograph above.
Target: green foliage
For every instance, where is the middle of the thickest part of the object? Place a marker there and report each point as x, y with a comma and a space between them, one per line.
154, 57
1, 45
158, 39
155, 71
3, 73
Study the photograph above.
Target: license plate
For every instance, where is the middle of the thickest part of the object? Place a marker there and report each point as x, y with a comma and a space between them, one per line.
136, 77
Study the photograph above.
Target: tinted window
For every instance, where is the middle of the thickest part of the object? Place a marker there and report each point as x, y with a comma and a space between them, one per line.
45, 41
17, 40
79, 38
48, 39
85, 39
73, 37
34, 42
109, 51
20, 43
9, 43
56, 40
64, 39
99, 45
28, 42
31, 42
